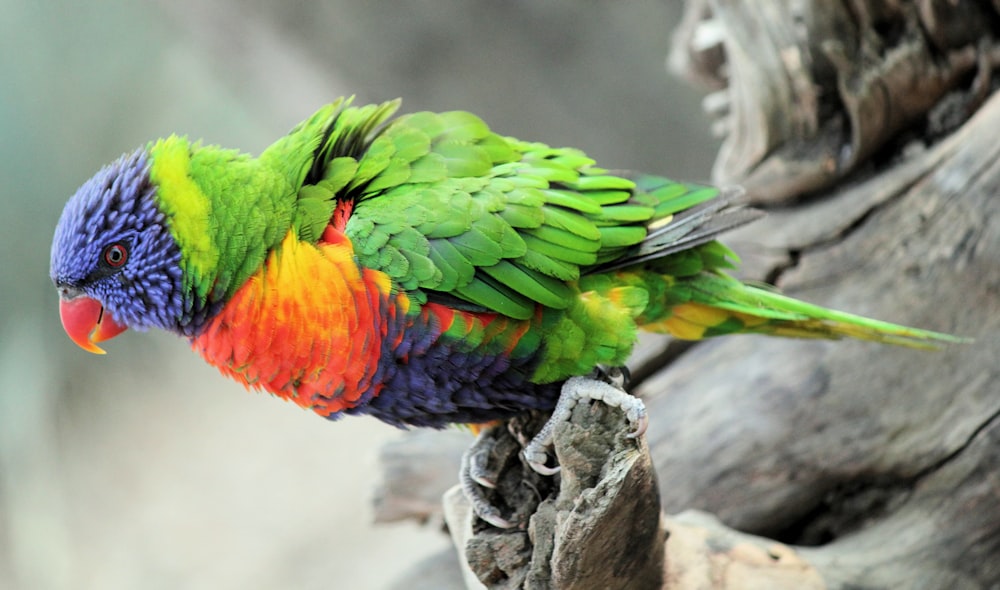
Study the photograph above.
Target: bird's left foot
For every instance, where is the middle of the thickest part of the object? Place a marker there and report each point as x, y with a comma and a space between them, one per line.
607, 390
474, 475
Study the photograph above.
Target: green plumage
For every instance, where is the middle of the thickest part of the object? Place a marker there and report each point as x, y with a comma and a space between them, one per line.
500, 223
452, 212
423, 261
446, 207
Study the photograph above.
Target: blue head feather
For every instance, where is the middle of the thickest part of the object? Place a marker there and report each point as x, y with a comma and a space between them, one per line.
118, 206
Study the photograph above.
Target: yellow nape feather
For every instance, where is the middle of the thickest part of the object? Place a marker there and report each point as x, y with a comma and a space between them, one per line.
188, 209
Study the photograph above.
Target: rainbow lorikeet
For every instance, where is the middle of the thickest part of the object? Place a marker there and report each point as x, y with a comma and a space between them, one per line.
422, 269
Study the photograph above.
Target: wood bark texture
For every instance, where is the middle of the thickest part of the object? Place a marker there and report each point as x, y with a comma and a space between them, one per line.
808, 464
595, 525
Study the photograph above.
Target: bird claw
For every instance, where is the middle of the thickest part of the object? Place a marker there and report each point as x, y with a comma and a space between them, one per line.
574, 390
641, 421
537, 459
477, 469
474, 475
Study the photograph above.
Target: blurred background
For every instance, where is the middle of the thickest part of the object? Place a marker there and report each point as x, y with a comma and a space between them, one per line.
145, 468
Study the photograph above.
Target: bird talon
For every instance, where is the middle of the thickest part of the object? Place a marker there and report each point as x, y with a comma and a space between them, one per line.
493, 517
474, 475
543, 469
478, 470
573, 391
537, 461
641, 424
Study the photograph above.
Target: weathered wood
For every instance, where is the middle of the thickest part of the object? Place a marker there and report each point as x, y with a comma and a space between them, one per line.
884, 459
704, 554
600, 527
881, 459
814, 89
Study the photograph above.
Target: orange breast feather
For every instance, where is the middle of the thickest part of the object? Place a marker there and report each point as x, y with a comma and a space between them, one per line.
308, 326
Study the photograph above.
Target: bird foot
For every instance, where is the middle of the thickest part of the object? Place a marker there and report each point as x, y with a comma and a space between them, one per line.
474, 475
574, 390
492, 452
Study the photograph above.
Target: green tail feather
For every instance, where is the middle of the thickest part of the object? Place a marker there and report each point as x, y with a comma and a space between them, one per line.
790, 317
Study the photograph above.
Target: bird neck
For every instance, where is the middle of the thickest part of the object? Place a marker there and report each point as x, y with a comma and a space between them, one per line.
225, 211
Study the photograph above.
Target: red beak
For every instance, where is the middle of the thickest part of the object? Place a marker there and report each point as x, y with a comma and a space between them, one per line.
86, 322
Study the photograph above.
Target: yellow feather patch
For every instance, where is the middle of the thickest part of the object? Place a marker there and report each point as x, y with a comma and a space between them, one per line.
691, 321
188, 209
632, 299
678, 328
750, 321
701, 315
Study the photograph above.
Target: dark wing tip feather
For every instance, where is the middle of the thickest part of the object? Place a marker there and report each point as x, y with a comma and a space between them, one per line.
724, 221
690, 228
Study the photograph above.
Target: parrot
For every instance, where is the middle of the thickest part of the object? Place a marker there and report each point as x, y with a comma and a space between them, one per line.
419, 268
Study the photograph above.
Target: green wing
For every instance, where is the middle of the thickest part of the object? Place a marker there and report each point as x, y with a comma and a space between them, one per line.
447, 208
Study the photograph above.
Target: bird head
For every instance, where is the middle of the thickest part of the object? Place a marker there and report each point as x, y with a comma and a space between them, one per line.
114, 261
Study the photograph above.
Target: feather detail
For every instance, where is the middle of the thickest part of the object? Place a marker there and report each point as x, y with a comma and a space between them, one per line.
307, 327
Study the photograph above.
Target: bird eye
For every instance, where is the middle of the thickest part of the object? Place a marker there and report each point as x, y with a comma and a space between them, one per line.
115, 255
